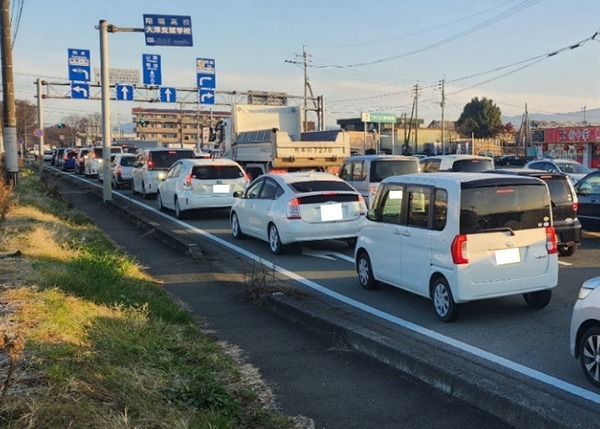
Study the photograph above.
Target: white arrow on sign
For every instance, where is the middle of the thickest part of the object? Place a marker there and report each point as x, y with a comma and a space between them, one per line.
168, 94
80, 89
84, 71
206, 95
124, 91
203, 78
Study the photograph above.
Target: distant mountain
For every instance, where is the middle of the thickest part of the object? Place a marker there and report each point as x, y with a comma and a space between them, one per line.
571, 119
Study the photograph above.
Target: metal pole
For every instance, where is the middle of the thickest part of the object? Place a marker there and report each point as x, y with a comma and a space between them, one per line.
443, 104
305, 88
105, 93
9, 109
40, 118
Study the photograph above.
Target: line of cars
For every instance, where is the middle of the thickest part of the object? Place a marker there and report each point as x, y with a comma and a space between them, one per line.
452, 238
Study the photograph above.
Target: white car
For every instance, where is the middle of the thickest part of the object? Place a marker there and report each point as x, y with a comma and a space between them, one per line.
120, 168
151, 167
585, 330
200, 184
459, 237
287, 208
94, 160
575, 170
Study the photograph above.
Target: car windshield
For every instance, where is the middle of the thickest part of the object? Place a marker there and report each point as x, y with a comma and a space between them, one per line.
499, 208
216, 172
571, 167
472, 165
320, 186
382, 169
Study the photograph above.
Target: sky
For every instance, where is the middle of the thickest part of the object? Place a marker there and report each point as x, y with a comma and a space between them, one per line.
362, 56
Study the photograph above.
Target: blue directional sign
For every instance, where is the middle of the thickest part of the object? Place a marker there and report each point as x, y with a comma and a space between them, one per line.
168, 30
79, 65
152, 71
206, 96
206, 75
124, 92
167, 94
80, 90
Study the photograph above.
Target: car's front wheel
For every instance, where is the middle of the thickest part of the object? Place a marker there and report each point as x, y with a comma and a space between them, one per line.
443, 301
159, 202
365, 271
236, 230
589, 354
538, 299
274, 240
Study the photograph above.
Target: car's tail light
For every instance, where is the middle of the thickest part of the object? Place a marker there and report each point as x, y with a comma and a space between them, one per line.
551, 244
575, 207
188, 182
363, 205
246, 177
372, 190
458, 250
150, 164
119, 170
293, 209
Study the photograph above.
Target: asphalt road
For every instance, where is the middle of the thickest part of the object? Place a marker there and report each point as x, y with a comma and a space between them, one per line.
310, 375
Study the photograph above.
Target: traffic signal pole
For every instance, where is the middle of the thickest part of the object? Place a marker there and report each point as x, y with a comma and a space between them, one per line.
11, 160
105, 93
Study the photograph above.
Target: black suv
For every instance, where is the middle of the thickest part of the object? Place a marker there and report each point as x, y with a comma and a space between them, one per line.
564, 206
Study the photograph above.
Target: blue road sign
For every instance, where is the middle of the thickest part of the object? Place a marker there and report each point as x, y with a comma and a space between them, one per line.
124, 92
206, 75
168, 30
152, 71
80, 90
79, 65
206, 96
167, 94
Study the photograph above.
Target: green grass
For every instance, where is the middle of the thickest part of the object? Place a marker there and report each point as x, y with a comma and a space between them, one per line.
105, 346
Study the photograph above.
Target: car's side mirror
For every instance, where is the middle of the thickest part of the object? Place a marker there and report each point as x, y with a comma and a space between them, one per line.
374, 215
238, 194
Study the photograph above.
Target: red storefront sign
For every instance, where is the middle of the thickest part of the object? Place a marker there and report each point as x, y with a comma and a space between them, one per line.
572, 135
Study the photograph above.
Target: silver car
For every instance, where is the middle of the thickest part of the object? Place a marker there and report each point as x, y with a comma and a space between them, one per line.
585, 330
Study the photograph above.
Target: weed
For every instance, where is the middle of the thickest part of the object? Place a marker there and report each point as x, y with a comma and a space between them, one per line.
13, 346
6, 200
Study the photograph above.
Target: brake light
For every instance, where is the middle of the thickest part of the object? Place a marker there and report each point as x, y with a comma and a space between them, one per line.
246, 177
372, 190
119, 170
363, 205
551, 244
575, 207
293, 209
458, 250
277, 171
188, 182
150, 164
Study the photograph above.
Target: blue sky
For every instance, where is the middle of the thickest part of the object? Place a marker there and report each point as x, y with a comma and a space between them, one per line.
364, 56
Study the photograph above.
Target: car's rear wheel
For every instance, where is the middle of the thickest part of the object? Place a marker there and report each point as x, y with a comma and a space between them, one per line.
538, 299
589, 354
565, 250
274, 240
443, 301
179, 214
365, 271
144, 193
236, 230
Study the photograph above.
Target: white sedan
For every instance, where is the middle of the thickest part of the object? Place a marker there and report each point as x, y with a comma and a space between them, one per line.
200, 184
282, 209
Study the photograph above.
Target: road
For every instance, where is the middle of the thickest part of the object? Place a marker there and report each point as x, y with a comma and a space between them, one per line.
503, 331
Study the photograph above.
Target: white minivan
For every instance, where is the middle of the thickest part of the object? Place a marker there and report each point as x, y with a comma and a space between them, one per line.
459, 237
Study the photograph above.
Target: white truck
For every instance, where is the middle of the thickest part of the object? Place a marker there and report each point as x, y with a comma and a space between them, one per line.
268, 138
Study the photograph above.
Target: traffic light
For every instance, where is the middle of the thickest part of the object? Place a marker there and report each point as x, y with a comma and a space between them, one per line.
60, 125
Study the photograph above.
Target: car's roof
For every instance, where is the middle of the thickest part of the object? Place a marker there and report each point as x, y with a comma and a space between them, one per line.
208, 161
454, 177
528, 172
456, 156
305, 176
168, 149
380, 157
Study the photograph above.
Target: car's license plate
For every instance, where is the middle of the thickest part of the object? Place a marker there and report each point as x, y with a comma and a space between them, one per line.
508, 256
220, 189
331, 212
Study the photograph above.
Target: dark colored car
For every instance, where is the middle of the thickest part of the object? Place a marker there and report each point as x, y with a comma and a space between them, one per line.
588, 194
565, 206
68, 160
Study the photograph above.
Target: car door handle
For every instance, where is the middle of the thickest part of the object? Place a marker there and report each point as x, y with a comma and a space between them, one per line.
402, 231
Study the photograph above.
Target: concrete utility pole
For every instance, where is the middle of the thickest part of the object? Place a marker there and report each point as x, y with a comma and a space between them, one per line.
443, 105
416, 118
11, 172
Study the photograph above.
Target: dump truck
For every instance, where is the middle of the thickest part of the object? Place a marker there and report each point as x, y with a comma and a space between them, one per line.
269, 138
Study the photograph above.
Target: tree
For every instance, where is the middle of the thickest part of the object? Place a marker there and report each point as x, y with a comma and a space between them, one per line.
480, 118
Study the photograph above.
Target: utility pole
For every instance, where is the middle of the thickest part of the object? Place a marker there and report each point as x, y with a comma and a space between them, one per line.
40, 118
306, 89
416, 118
584, 121
11, 167
443, 104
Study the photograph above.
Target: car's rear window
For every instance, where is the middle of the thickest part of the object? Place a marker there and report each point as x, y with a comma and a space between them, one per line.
382, 169
517, 207
164, 159
128, 161
560, 192
321, 186
472, 165
216, 172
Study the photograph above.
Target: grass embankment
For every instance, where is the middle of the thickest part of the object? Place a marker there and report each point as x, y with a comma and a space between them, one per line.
88, 340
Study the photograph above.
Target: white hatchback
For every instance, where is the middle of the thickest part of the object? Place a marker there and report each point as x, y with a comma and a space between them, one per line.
287, 208
200, 184
459, 237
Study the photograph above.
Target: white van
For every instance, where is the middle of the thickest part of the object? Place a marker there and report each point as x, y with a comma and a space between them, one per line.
151, 166
456, 163
459, 237
365, 172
